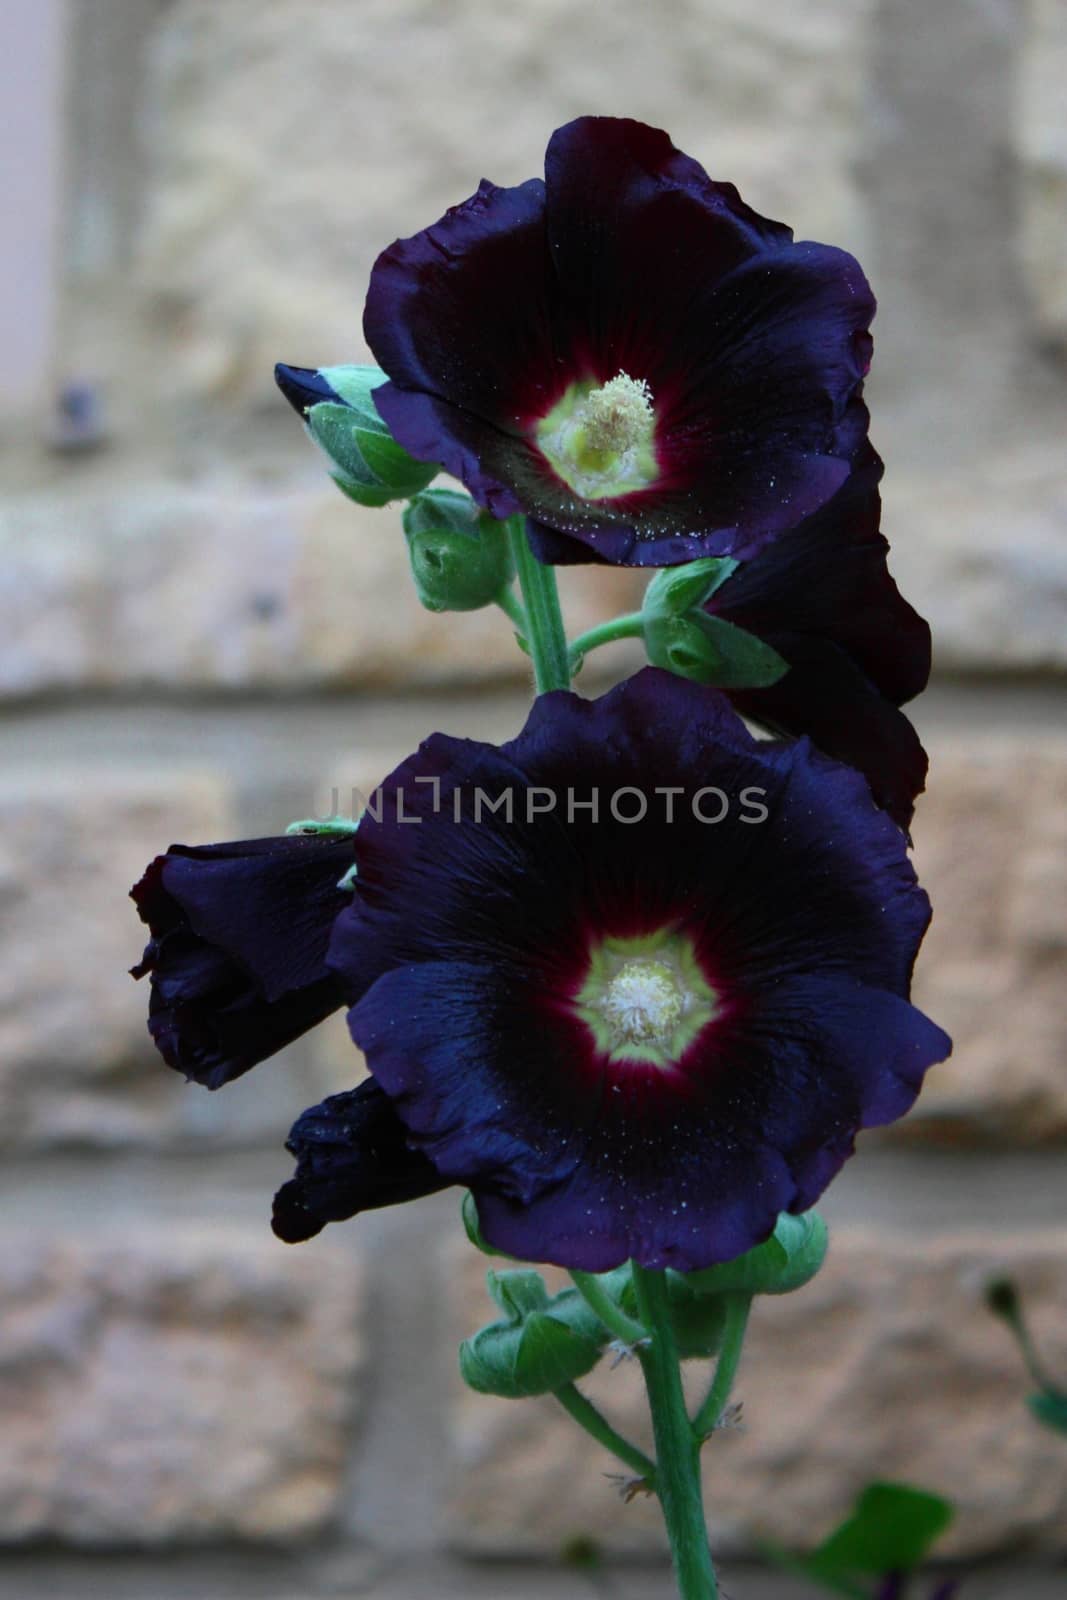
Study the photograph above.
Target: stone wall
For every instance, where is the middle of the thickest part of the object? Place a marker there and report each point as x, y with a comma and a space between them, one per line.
200, 639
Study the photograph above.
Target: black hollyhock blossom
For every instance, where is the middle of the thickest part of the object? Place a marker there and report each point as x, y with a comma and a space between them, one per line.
630, 1038
857, 651
237, 957
626, 352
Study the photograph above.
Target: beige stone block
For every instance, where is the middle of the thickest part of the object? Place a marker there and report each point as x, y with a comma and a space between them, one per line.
1040, 129
182, 1386
233, 587
76, 1061
286, 149
989, 848
887, 1365
982, 554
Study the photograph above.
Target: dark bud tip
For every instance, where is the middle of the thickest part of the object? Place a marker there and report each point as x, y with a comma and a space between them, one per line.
304, 387
1002, 1298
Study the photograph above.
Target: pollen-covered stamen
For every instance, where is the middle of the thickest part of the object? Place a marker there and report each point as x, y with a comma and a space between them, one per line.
618, 416
644, 1003
645, 999
600, 439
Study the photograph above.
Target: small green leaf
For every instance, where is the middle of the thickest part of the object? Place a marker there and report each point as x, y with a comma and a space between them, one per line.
786, 1261
890, 1529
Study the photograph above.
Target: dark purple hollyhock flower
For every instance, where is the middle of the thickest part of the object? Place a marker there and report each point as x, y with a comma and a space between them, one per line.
857, 651
631, 1036
625, 352
237, 956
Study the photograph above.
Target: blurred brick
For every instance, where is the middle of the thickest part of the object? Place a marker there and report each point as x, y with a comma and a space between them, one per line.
183, 1386
76, 1062
234, 588
1041, 150
887, 1365
981, 553
991, 848
264, 216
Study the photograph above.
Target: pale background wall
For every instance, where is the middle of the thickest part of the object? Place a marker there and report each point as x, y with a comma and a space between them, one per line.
198, 639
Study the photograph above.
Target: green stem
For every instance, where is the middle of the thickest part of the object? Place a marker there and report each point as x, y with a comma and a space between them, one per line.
544, 623
594, 1422
677, 1444
611, 1315
737, 1309
511, 608
629, 626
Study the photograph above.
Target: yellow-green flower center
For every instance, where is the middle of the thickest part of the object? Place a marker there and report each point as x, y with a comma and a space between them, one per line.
645, 999
599, 440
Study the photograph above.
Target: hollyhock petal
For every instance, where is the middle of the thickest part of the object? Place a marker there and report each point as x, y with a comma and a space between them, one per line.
486, 252
824, 600
743, 352
352, 1155
237, 957
824, 694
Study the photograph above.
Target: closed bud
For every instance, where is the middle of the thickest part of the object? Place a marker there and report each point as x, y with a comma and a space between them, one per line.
787, 1260
460, 557
531, 1351
678, 589
709, 650
338, 407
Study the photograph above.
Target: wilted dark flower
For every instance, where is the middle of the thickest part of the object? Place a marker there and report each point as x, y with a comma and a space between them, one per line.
237, 956
857, 651
354, 1156
635, 978
625, 352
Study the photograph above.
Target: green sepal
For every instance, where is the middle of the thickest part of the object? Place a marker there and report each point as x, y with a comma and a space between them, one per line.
369, 466
469, 1213
460, 556
891, 1528
698, 1320
531, 1350
366, 461
709, 650
1049, 1406
678, 589
787, 1260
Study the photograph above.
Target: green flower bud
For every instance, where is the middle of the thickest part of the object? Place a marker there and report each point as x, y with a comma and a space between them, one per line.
366, 461
530, 1351
709, 650
787, 1260
678, 589
460, 557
